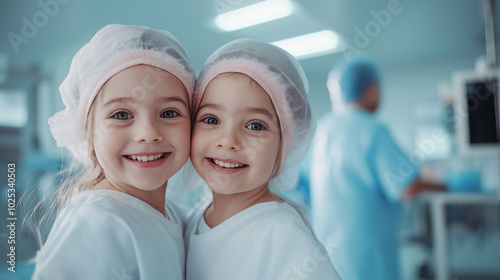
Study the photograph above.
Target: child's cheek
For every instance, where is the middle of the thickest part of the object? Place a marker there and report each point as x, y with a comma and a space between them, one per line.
199, 144
184, 139
102, 129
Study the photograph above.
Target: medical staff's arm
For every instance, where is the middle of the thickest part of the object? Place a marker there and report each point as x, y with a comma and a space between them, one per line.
419, 186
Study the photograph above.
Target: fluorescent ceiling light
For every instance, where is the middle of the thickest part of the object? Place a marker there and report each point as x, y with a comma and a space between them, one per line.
309, 45
254, 14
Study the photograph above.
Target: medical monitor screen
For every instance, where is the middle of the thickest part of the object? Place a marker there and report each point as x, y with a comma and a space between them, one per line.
482, 101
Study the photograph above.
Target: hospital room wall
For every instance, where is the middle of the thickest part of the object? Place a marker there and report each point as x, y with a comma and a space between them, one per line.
404, 86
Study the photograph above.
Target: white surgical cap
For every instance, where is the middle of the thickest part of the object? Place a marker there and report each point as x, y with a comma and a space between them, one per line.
281, 76
112, 49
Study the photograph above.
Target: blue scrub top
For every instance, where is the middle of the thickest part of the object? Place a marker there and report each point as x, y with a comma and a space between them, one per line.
358, 174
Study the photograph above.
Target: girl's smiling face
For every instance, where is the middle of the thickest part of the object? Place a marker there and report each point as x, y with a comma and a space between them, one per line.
141, 128
236, 135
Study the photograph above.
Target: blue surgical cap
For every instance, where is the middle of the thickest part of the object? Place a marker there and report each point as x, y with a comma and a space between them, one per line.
355, 76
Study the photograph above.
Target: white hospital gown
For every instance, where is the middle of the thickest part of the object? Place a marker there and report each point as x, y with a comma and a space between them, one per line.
105, 234
265, 241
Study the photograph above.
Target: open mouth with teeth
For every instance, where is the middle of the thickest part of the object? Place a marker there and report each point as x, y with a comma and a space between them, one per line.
148, 158
227, 164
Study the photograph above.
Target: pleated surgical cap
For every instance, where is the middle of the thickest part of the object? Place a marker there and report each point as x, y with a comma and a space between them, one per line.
282, 77
354, 76
112, 49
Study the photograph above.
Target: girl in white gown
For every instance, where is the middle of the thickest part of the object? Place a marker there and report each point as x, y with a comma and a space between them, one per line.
252, 127
127, 120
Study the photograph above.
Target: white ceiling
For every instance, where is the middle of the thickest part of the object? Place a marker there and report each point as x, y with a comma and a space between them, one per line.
423, 30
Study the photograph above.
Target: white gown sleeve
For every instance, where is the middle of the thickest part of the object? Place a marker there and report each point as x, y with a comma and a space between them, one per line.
87, 244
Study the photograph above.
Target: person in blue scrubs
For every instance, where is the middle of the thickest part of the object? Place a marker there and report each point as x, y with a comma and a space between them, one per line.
358, 174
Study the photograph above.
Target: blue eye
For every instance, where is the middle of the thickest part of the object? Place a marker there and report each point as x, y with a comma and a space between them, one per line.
169, 114
210, 120
256, 126
122, 116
